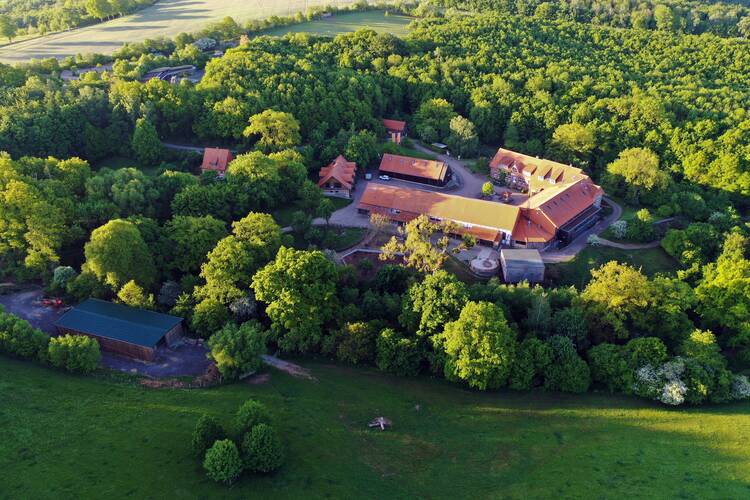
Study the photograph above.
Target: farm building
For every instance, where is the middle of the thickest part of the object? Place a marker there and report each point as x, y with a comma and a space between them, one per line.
121, 329
563, 202
522, 265
338, 178
396, 130
431, 172
216, 160
490, 223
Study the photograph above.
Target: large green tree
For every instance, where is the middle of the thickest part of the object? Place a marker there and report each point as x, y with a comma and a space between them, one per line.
277, 130
299, 288
480, 346
117, 254
230, 266
191, 239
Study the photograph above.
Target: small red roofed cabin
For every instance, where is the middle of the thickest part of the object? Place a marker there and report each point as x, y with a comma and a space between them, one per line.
396, 130
338, 178
216, 160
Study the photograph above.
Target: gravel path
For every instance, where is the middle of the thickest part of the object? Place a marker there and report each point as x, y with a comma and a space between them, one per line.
27, 305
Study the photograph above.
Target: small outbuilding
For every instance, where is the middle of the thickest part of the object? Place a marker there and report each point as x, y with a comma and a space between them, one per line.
124, 330
522, 265
216, 160
396, 130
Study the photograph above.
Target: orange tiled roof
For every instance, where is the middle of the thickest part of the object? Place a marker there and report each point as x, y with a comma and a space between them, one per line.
562, 202
531, 166
216, 159
411, 203
339, 169
394, 125
406, 165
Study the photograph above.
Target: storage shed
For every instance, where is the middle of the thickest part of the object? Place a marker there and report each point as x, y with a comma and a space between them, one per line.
121, 329
522, 265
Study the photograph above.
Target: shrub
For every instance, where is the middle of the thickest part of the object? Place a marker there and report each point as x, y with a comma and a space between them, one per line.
619, 228
701, 345
262, 450
207, 431
208, 317
19, 338
61, 276
645, 351
237, 350
74, 353
396, 354
609, 367
532, 359
134, 296
740, 387
567, 372
250, 414
357, 342
222, 462
571, 323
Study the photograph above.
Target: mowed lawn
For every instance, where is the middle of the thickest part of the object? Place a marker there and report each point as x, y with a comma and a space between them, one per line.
168, 18
75, 437
577, 272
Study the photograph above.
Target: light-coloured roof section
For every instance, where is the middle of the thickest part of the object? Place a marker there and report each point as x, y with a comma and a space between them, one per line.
441, 206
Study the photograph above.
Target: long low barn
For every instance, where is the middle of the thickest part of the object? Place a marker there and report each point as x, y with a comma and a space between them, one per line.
491, 223
121, 329
431, 172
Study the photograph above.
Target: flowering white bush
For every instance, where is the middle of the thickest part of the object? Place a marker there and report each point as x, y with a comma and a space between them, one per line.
619, 228
205, 43
647, 382
593, 240
672, 370
740, 387
673, 393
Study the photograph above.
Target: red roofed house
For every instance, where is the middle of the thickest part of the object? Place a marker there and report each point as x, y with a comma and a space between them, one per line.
338, 178
396, 130
216, 160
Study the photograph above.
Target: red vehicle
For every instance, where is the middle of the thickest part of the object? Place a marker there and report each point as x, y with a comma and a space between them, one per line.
52, 302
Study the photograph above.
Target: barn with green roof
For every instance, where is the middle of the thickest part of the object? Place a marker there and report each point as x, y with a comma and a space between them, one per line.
120, 329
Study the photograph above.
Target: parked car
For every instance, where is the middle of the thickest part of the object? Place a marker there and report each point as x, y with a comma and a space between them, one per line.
384, 178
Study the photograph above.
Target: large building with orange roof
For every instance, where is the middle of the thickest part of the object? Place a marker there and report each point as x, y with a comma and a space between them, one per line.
563, 202
338, 177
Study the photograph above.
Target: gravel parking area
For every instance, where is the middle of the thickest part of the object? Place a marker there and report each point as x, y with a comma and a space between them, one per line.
27, 304
187, 360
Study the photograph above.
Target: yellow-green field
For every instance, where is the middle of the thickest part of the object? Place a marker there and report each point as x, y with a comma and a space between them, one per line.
170, 17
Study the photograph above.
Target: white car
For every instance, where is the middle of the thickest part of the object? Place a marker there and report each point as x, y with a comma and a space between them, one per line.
384, 178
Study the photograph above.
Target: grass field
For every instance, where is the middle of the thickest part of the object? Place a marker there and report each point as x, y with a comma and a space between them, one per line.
71, 437
577, 272
170, 17
344, 23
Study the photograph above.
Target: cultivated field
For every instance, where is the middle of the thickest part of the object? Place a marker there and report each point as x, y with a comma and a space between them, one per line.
166, 18
74, 437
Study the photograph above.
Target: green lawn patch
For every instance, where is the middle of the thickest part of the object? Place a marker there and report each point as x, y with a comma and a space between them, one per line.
577, 272
344, 23
333, 238
397, 149
66, 436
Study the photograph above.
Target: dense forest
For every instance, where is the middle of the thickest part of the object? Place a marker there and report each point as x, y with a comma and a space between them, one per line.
658, 117
683, 16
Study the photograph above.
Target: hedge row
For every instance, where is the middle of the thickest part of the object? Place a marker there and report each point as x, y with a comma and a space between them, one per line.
73, 353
